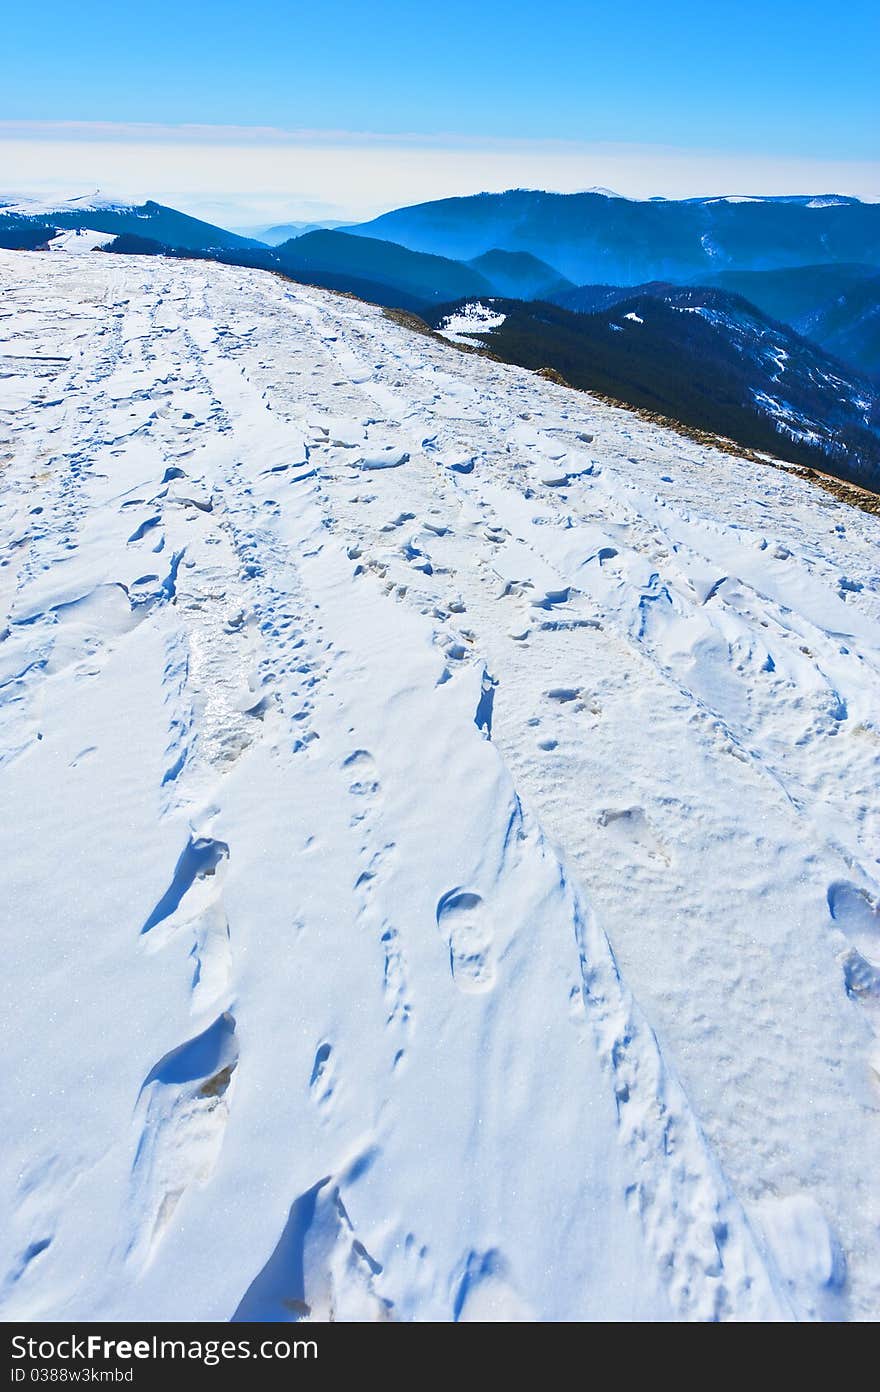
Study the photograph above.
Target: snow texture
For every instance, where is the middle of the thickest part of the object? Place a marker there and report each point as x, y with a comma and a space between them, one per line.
438, 867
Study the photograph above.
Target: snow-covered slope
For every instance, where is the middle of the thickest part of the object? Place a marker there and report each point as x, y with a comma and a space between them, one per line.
26, 206
79, 240
438, 867
149, 220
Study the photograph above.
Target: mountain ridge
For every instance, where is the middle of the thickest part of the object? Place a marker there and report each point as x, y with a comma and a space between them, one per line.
149, 219
591, 238
841, 344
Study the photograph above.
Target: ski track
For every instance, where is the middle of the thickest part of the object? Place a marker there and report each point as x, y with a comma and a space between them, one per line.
440, 874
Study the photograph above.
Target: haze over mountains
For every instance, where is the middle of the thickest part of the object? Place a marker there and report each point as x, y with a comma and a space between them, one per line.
275, 233
836, 305
594, 237
755, 318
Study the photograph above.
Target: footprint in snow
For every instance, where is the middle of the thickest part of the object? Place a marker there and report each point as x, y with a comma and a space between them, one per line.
486, 1293
630, 828
322, 1083
567, 696
857, 915
197, 863
212, 955
23, 1263
194, 901
395, 981
464, 921
182, 1110
320, 1270
361, 767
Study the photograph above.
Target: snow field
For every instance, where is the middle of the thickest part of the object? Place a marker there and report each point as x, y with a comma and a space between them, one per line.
442, 878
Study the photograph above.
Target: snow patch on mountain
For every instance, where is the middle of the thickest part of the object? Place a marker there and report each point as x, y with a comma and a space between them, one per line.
80, 240
473, 318
31, 206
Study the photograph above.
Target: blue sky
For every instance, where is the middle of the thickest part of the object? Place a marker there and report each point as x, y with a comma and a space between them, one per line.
784, 82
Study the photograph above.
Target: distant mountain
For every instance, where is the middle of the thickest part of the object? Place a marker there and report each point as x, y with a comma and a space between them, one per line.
397, 276
380, 272
29, 206
591, 237
850, 326
149, 220
703, 357
393, 275
24, 233
589, 299
793, 294
837, 306
280, 232
518, 275
701, 354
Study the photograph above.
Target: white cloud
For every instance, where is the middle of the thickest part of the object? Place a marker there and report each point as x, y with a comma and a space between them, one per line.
242, 175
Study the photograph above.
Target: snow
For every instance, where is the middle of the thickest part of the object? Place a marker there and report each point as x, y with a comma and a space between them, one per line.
437, 891
715, 317
788, 421
31, 206
636, 318
779, 358
80, 240
474, 318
